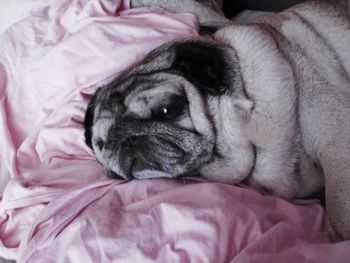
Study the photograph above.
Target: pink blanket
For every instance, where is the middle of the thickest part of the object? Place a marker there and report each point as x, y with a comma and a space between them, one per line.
57, 204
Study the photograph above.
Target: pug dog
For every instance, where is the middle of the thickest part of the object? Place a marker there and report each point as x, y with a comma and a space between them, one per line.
266, 104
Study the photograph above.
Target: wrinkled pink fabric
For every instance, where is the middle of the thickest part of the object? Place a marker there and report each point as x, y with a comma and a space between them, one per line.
57, 204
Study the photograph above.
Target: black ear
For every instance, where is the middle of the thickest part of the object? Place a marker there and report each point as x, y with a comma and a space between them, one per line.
205, 64
89, 120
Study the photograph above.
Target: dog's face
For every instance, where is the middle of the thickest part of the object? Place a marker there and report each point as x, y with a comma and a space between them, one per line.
152, 121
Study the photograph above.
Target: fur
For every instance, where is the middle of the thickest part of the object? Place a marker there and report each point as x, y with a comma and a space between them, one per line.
267, 104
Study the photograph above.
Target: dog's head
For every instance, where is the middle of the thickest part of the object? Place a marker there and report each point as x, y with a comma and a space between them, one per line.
153, 121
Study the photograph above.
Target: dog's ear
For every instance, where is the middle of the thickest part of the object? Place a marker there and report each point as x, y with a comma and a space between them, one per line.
205, 64
89, 120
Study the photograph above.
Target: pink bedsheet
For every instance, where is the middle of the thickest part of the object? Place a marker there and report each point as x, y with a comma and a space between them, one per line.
57, 204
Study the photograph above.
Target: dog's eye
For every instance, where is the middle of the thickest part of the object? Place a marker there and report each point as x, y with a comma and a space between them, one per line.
100, 144
164, 110
163, 113
170, 111
167, 113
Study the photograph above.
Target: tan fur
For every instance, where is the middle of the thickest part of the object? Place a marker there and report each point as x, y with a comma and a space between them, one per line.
296, 70
284, 124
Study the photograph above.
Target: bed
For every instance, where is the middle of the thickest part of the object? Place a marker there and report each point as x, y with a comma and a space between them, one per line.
57, 204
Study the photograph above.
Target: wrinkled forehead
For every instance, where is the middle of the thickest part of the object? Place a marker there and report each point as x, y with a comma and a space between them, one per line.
137, 91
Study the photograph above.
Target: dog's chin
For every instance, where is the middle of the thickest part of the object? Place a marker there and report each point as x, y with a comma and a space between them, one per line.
134, 168
139, 171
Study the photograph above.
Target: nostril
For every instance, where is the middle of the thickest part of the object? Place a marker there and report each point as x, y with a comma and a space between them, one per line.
100, 144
